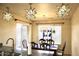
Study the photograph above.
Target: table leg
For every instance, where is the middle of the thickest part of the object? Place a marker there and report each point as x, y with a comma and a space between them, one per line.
55, 54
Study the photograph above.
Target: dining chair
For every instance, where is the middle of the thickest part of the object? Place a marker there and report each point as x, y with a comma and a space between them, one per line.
50, 41
0, 51
1, 45
41, 42
24, 43
44, 45
60, 51
34, 44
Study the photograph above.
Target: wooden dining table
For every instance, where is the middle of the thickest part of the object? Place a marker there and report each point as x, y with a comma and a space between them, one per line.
52, 48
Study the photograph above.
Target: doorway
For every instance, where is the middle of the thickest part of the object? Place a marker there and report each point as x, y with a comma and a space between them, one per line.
21, 38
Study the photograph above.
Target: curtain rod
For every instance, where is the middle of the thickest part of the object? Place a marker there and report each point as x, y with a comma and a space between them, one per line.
23, 21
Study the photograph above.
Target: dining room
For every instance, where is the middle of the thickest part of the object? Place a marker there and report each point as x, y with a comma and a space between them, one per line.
38, 29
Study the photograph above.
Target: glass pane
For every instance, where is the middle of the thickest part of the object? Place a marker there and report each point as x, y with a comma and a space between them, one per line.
50, 32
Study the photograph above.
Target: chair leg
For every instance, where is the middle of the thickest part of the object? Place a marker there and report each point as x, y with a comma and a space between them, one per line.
55, 53
62, 53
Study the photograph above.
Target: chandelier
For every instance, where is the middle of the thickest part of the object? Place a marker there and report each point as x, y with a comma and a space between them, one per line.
7, 15
63, 10
30, 13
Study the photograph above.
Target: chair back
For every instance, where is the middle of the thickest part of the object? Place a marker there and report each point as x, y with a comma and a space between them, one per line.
34, 44
64, 46
42, 41
51, 41
1, 44
24, 43
44, 45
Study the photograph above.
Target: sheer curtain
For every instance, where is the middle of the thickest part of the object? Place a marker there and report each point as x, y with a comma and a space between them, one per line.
21, 37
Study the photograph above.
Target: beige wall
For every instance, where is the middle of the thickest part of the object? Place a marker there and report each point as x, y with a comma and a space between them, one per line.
75, 33
8, 30
66, 34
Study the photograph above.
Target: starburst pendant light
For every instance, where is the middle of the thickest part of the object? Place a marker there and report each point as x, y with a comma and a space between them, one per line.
63, 10
30, 13
7, 15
